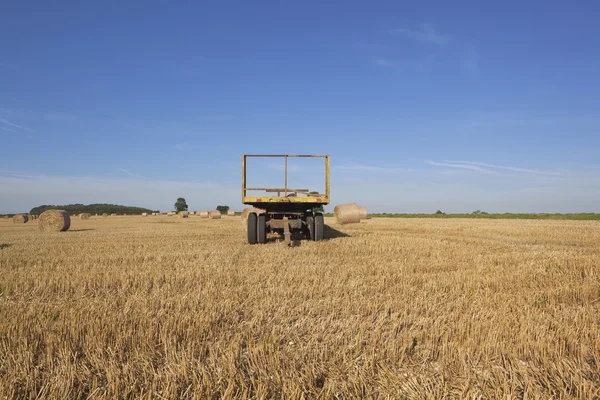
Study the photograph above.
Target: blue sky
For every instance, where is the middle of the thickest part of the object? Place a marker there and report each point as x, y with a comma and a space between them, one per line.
452, 105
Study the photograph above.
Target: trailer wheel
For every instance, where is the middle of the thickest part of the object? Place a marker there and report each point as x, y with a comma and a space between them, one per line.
309, 233
261, 228
252, 228
319, 227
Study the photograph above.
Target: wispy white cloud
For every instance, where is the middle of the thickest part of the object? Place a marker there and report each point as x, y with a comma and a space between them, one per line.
462, 166
13, 125
9, 130
507, 168
424, 33
130, 173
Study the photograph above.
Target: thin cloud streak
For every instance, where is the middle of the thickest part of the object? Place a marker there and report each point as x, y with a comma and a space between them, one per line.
131, 174
11, 124
507, 168
462, 166
9, 130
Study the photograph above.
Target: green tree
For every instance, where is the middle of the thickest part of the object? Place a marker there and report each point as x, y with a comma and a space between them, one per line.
439, 212
181, 205
318, 208
223, 209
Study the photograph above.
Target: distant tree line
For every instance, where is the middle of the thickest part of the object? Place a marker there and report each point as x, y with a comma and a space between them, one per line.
74, 209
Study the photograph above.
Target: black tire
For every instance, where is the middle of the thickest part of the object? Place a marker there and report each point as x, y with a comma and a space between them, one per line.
319, 227
310, 228
252, 228
261, 228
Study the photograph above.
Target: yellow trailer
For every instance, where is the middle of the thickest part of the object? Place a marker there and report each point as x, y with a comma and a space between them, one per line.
287, 210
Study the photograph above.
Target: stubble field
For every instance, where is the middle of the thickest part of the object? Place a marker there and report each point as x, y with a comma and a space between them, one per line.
161, 307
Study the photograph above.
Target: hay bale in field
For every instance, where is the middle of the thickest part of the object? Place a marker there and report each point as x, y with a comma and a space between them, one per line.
105, 215
54, 221
113, 214
20, 219
154, 214
170, 213
204, 214
347, 213
192, 212
183, 214
230, 213
6, 217
144, 214
215, 214
84, 216
363, 212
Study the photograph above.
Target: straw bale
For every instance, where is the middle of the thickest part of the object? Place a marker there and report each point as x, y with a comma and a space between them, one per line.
230, 213
204, 214
54, 221
144, 214
363, 212
183, 214
347, 213
84, 216
215, 214
20, 219
113, 214
105, 215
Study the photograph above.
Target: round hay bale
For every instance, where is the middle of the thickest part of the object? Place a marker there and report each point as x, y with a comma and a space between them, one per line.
84, 216
154, 214
54, 221
144, 214
230, 213
363, 212
215, 214
20, 219
105, 215
113, 214
347, 213
6, 217
204, 214
183, 214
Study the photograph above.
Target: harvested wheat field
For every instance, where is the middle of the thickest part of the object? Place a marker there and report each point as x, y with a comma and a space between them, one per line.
386, 308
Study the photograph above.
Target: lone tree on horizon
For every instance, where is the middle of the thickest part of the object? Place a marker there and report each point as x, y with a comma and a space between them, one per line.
223, 209
181, 205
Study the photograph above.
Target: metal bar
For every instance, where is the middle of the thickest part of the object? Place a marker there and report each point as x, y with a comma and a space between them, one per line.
243, 176
288, 155
285, 182
287, 236
282, 189
327, 170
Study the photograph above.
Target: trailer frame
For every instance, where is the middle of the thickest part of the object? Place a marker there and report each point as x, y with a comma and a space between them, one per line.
292, 212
